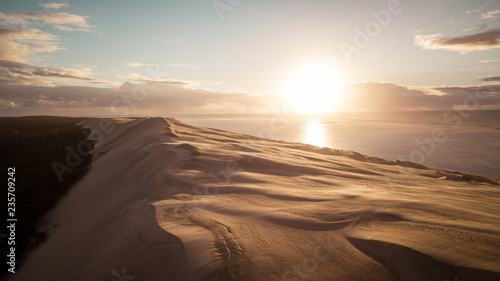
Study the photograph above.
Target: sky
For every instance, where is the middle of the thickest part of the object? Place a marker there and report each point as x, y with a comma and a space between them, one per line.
161, 57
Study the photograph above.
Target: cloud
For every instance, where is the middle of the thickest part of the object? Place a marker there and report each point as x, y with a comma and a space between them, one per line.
485, 97
20, 44
18, 73
28, 100
67, 28
387, 96
138, 64
8, 19
13, 64
479, 41
479, 26
489, 61
60, 21
491, 15
32, 34
490, 79
391, 97
472, 11
18, 50
54, 6
192, 66
72, 73
156, 99
19, 47
170, 98
56, 18
163, 82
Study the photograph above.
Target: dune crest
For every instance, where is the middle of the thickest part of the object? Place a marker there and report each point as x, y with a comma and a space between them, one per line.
164, 200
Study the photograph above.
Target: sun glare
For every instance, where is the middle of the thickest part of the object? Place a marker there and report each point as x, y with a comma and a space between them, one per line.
315, 88
315, 133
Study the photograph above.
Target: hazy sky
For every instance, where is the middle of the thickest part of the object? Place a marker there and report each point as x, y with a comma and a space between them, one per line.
193, 56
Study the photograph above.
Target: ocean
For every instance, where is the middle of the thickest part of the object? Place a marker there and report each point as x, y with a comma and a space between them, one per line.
461, 141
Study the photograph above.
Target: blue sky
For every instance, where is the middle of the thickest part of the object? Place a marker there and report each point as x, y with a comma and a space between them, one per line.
251, 47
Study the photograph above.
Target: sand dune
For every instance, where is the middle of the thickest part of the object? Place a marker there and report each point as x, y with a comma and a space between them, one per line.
169, 201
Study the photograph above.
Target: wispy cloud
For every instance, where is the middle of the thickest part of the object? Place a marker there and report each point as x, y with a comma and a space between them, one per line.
20, 73
56, 18
72, 73
181, 65
138, 78
479, 41
192, 66
61, 21
33, 34
491, 15
54, 6
67, 28
489, 61
472, 11
163, 82
138, 64
479, 26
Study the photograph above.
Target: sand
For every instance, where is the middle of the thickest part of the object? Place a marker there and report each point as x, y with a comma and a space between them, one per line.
164, 200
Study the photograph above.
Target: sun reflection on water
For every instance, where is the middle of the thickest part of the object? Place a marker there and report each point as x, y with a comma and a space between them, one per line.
315, 134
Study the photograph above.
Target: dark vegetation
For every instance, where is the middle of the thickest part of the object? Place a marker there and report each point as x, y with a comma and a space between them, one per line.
31, 144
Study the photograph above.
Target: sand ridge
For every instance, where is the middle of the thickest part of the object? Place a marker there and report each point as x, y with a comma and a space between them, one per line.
168, 201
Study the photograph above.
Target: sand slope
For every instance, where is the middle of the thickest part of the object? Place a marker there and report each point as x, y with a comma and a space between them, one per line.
168, 201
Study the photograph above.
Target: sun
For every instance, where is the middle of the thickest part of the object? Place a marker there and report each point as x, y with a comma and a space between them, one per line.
314, 88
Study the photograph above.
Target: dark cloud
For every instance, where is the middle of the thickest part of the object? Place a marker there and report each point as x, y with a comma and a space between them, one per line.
488, 91
130, 98
19, 73
80, 74
479, 97
490, 79
479, 41
166, 99
14, 64
389, 97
